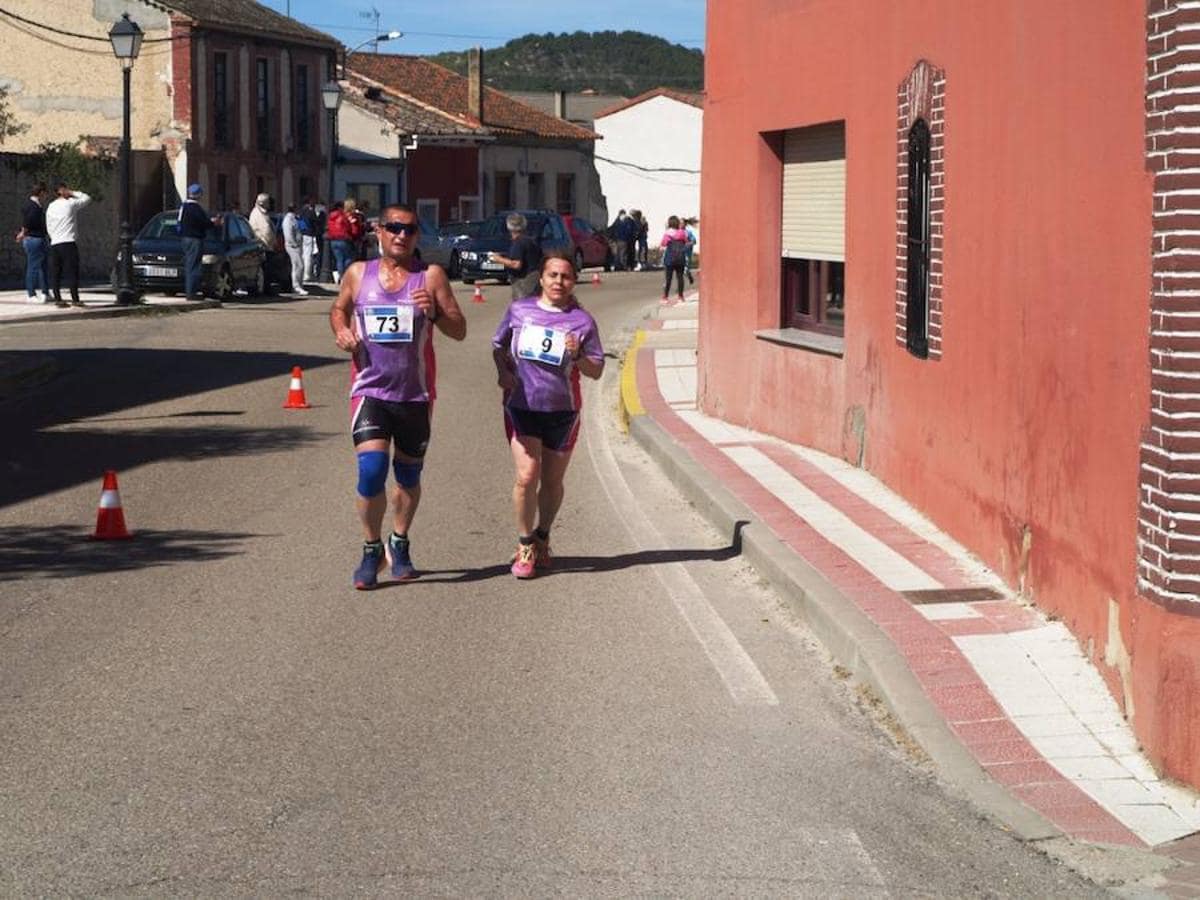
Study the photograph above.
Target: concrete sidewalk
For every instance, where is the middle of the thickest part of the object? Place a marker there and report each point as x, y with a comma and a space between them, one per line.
1002, 699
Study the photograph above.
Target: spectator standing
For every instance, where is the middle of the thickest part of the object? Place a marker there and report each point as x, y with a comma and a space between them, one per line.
643, 242
524, 260
260, 222
62, 227
310, 235
617, 231
340, 243
674, 243
691, 235
293, 244
193, 225
357, 226
629, 232
33, 240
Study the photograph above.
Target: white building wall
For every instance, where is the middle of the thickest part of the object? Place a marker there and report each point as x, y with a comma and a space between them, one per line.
659, 133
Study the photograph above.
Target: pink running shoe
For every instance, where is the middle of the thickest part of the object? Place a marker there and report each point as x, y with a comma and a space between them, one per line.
522, 566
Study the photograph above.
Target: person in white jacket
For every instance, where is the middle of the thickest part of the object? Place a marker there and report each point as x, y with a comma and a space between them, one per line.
62, 227
260, 222
293, 243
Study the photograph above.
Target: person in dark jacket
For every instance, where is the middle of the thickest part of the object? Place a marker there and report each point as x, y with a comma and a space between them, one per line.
194, 223
34, 241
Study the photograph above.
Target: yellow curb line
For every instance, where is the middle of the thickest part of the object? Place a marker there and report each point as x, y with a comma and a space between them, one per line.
631, 403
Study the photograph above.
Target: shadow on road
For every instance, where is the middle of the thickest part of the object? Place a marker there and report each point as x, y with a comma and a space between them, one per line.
564, 565
44, 462
44, 452
62, 550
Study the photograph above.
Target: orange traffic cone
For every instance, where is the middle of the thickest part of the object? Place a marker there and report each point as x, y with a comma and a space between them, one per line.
477, 297
110, 518
595, 278
295, 397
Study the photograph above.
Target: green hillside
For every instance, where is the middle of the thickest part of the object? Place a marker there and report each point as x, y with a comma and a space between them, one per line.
609, 62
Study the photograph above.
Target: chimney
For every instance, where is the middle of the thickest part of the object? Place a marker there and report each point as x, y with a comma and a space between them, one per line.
560, 104
475, 83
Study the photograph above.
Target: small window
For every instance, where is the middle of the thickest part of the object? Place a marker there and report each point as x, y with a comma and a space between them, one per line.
917, 286
814, 295
504, 191
222, 191
221, 100
813, 233
564, 196
262, 106
428, 212
302, 110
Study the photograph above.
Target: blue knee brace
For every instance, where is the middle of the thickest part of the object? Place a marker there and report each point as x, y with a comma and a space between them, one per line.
407, 474
372, 473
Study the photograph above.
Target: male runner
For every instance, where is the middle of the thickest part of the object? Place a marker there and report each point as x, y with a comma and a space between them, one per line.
384, 316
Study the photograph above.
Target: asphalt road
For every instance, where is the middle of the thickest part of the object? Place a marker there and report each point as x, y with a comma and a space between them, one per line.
210, 710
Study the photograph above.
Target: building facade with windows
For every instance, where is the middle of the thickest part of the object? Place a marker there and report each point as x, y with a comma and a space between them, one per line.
227, 90
960, 248
460, 150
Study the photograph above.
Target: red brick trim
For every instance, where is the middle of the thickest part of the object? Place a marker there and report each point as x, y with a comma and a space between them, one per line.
1168, 567
921, 95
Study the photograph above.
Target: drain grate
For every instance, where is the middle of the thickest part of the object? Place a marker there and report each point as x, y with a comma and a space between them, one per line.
952, 595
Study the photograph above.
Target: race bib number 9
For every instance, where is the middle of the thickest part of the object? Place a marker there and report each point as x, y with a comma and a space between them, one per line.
388, 324
542, 344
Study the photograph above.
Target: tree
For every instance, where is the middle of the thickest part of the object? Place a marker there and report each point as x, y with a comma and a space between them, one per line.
9, 126
66, 162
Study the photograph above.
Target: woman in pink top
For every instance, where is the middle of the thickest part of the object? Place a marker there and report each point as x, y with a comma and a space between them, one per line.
675, 243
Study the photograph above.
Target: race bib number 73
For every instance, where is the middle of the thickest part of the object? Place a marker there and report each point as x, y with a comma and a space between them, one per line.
542, 344
388, 324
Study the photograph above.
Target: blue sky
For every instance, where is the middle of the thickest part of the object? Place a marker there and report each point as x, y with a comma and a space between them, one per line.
459, 24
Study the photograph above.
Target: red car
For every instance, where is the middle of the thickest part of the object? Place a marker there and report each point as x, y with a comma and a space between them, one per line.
591, 246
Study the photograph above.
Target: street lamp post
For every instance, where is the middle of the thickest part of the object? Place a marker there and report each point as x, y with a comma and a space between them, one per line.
126, 38
331, 99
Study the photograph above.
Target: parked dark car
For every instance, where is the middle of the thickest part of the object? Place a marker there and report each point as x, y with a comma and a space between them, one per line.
591, 246
544, 226
233, 259
451, 235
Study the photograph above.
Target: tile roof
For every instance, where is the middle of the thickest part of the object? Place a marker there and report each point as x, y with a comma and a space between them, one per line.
247, 16
692, 99
437, 87
407, 116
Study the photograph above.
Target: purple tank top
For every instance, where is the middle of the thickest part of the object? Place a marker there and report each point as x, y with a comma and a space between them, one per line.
395, 360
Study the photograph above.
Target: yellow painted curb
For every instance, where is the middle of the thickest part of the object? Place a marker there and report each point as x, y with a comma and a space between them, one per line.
631, 403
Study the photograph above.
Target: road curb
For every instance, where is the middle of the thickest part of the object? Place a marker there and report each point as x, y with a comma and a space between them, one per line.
853, 640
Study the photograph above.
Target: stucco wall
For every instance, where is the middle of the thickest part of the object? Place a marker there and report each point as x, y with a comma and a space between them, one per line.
659, 133
551, 161
64, 87
1022, 440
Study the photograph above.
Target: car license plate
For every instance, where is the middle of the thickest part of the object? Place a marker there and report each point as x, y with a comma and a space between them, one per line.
161, 272
492, 266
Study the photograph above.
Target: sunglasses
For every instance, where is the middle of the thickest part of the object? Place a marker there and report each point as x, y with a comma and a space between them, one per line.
400, 227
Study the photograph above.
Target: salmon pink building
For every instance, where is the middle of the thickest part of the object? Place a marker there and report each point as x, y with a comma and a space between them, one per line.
958, 244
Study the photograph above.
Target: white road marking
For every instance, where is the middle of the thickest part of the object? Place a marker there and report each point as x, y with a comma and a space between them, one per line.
742, 679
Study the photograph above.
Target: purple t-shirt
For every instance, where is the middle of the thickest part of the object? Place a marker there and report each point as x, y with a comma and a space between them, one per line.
394, 360
547, 377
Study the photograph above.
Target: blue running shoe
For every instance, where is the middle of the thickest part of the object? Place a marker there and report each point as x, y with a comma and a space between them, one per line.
402, 567
366, 576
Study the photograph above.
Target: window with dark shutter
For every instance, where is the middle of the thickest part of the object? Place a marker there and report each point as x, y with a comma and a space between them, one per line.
917, 288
